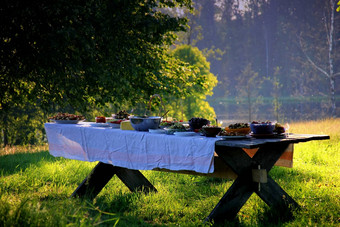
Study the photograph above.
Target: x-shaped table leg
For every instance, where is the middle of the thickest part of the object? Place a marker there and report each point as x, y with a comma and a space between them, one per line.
102, 173
243, 187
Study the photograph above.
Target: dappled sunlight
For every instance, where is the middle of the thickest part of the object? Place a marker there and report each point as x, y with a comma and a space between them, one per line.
23, 149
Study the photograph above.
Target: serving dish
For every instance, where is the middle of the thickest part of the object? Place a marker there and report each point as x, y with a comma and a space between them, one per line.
264, 128
145, 123
210, 131
114, 125
185, 133
66, 118
233, 137
264, 136
67, 121
94, 124
157, 131
238, 131
197, 123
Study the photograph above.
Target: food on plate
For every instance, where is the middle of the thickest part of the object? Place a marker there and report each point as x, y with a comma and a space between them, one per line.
279, 129
122, 114
165, 124
67, 116
237, 129
100, 119
116, 121
176, 127
197, 123
238, 125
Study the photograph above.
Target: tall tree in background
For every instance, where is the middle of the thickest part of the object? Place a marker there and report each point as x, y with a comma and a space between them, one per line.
325, 63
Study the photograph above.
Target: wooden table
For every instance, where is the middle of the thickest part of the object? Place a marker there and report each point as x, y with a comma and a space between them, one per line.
251, 174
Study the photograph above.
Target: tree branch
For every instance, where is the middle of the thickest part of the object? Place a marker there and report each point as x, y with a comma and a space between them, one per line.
311, 61
336, 74
326, 26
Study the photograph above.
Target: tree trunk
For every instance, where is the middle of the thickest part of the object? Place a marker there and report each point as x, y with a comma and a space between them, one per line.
333, 107
5, 130
249, 107
330, 58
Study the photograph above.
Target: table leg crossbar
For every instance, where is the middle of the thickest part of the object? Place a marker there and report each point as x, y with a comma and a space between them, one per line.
102, 173
244, 186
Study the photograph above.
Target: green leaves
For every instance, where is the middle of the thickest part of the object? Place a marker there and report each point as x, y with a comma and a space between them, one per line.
79, 54
98, 50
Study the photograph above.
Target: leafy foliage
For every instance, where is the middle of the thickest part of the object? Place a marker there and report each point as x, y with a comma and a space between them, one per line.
75, 55
198, 86
75, 52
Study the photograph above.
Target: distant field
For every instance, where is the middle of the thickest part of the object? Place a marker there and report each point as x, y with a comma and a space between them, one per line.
35, 189
291, 108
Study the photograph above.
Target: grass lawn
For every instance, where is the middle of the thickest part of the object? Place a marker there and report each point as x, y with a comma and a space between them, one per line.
35, 189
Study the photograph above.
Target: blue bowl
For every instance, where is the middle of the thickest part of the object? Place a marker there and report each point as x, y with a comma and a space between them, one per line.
145, 123
262, 128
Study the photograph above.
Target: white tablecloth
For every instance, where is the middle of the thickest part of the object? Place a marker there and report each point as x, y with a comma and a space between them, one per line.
131, 149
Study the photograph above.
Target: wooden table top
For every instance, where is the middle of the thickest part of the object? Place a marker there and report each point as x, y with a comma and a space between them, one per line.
251, 142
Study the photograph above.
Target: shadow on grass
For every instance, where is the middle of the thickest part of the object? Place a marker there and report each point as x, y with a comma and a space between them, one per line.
14, 163
120, 205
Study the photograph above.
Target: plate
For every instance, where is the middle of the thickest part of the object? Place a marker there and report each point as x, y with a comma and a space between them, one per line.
232, 137
113, 125
185, 133
67, 121
273, 135
100, 124
157, 131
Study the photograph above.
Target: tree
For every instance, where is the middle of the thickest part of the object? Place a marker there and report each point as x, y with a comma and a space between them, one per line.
276, 87
325, 64
192, 103
249, 85
78, 54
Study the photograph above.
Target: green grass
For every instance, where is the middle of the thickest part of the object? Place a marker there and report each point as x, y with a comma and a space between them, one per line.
35, 189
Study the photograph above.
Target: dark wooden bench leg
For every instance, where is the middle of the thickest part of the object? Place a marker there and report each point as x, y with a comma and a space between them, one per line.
102, 173
232, 201
243, 186
274, 196
134, 180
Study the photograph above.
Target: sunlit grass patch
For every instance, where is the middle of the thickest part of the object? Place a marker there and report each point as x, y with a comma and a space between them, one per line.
22, 149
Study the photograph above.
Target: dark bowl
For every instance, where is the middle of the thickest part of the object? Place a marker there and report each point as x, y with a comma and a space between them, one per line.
262, 128
197, 123
145, 123
211, 132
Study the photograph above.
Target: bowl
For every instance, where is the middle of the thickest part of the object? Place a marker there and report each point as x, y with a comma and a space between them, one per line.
196, 123
170, 131
211, 131
114, 125
262, 128
145, 123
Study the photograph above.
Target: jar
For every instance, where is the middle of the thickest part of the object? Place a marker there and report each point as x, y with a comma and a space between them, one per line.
100, 119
